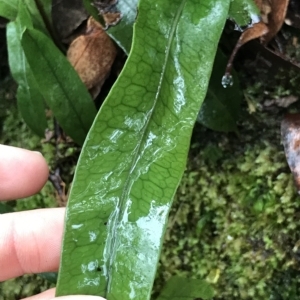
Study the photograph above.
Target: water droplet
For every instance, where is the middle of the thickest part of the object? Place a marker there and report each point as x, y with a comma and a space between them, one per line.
227, 80
238, 28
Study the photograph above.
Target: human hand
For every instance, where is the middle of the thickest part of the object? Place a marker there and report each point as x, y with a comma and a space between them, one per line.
30, 241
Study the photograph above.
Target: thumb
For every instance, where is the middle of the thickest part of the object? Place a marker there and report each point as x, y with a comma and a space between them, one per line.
78, 297
50, 295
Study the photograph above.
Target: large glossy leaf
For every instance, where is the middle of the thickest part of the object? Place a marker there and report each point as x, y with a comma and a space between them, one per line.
60, 85
221, 108
186, 289
135, 153
30, 101
9, 9
244, 12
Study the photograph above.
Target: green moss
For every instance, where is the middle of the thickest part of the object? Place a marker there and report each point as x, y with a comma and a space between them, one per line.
235, 219
23, 287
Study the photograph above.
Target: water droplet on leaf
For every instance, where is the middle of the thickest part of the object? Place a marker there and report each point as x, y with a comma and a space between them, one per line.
227, 80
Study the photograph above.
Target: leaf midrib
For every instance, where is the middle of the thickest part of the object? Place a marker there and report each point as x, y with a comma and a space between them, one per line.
139, 144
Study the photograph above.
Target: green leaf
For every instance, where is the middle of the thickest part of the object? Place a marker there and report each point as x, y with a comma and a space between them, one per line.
45, 9
122, 33
4, 208
37, 20
135, 153
186, 289
244, 12
9, 9
221, 108
60, 85
30, 101
49, 276
92, 10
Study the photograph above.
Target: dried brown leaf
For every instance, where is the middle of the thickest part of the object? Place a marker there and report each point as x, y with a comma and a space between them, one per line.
254, 32
290, 134
273, 14
108, 10
112, 18
276, 18
92, 56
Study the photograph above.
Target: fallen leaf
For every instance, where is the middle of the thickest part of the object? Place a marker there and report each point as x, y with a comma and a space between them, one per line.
256, 31
92, 55
273, 14
108, 10
290, 134
112, 18
276, 18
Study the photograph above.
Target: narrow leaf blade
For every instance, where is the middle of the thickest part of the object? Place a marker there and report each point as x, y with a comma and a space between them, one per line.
135, 154
30, 101
60, 85
9, 9
37, 20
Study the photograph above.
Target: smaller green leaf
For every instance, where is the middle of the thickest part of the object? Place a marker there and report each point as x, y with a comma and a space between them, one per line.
122, 32
9, 9
244, 12
92, 10
186, 289
63, 90
4, 208
221, 107
49, 276
37, 20
45, 9
30, 101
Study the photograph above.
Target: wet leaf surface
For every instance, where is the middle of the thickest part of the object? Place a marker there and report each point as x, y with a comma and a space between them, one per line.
135, 153
290, 134
92, 55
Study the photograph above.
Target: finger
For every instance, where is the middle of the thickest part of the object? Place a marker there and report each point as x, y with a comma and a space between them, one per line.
30, 242
22, 172
49, 295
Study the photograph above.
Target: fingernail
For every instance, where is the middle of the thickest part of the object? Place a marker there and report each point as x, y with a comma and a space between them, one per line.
38, 152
